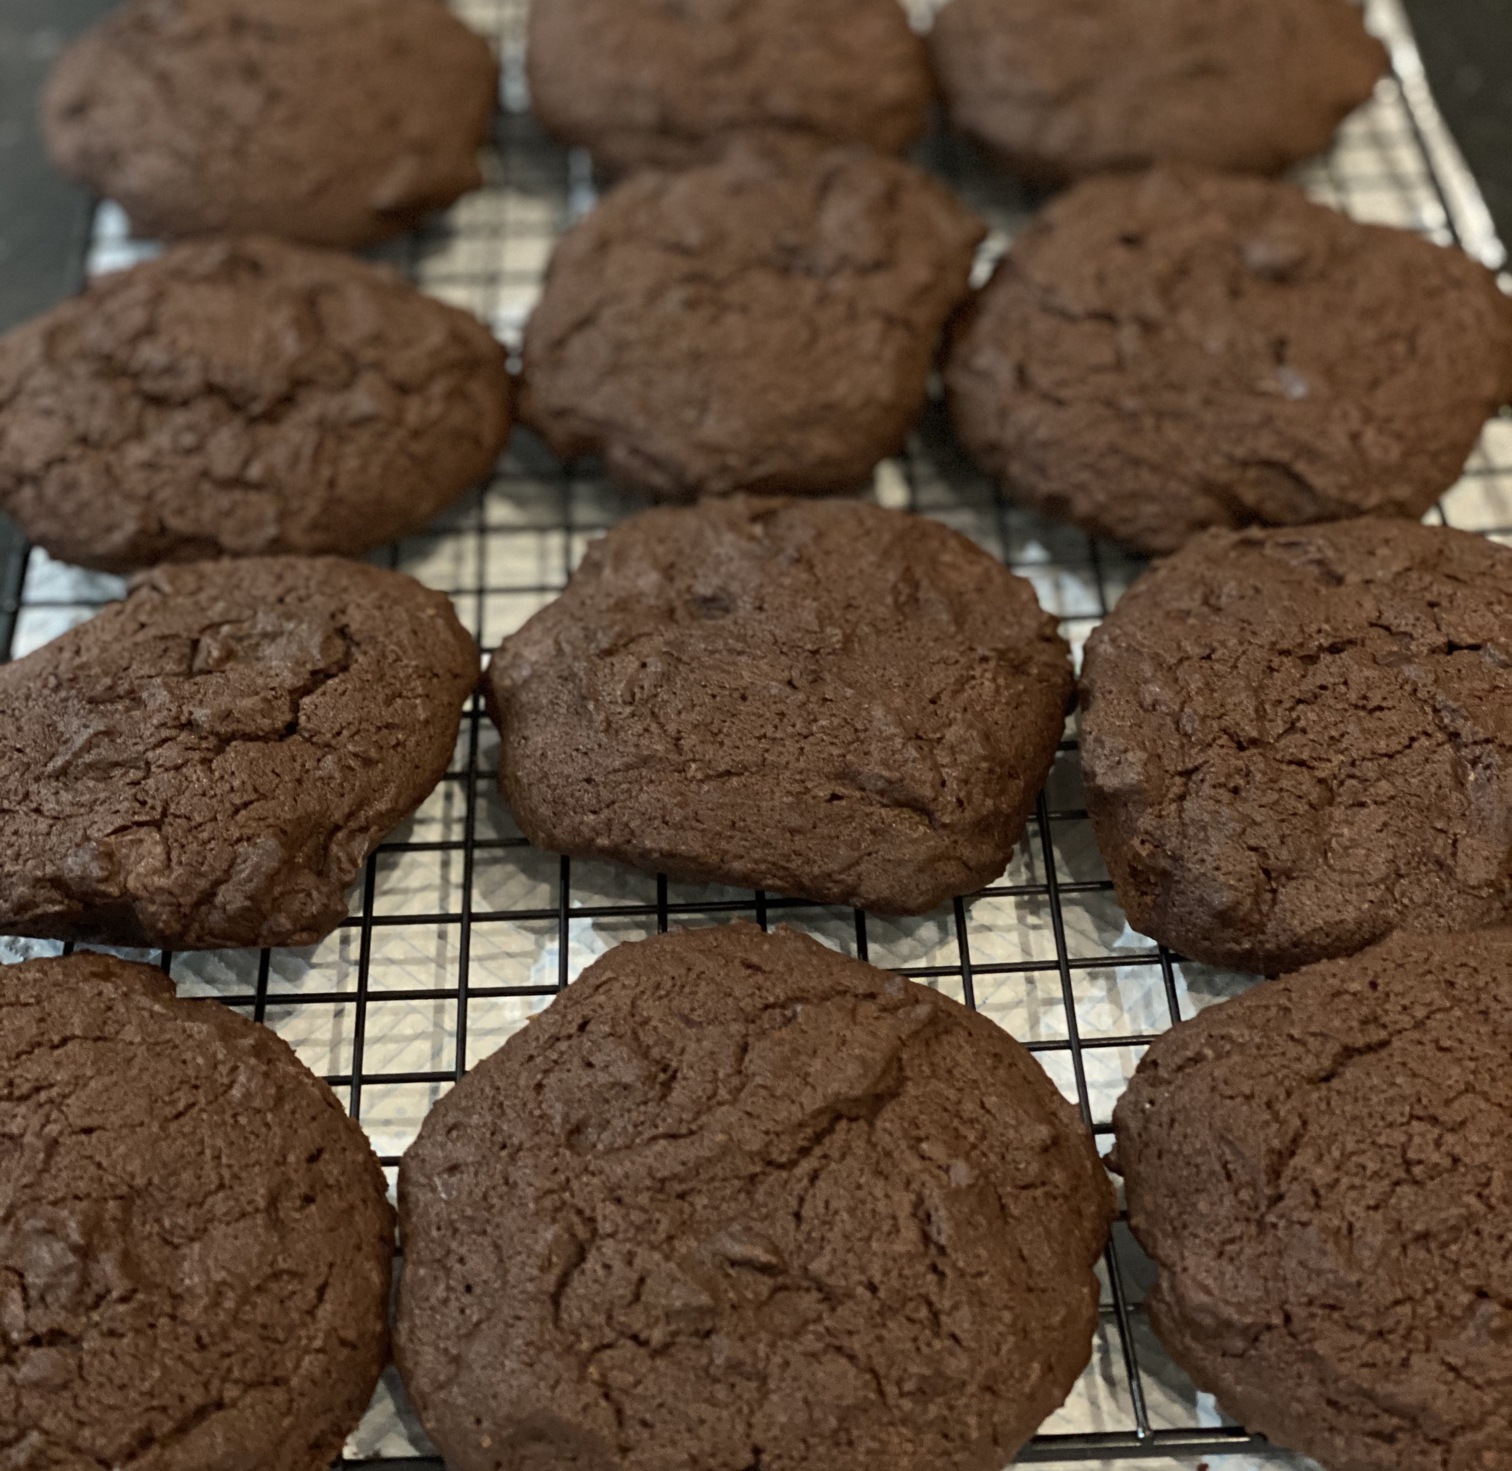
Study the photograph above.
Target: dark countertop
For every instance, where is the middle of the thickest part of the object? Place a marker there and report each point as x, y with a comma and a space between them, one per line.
1467, 48
1467, 45
42, 217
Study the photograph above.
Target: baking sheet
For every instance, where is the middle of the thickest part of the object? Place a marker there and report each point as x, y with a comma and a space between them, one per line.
459, 931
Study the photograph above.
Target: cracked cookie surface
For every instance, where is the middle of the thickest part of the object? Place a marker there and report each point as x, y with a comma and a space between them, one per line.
1061, 88
194, 1237
767, 323
1299, 741
1166, 352
244, 397
818, 698
667, 83
338, 123
1321, 1171
210, 762
735, 1200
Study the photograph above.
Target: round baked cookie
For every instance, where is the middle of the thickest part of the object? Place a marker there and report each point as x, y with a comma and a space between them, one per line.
734, 1199
1322, 1171
338, 123
210, 762
766, 323
1299, 741
818, 698
244, 397
1166, 352
668, 82
195, 1239
1060, 88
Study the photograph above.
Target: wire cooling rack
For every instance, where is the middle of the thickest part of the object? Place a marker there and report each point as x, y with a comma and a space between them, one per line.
459, 931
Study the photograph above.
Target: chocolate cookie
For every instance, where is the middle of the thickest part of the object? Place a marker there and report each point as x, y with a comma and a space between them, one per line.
669, 82
1322, 1171
823, 699
765, 323
241, 397
1297, 742
1059, 88
735, 1200
211, 762
339, 123
1166, 352
194, 1238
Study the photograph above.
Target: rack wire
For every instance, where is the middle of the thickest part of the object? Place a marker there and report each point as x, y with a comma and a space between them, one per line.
459, 930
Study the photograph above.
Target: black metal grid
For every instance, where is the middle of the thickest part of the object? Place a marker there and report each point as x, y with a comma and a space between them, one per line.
459, 930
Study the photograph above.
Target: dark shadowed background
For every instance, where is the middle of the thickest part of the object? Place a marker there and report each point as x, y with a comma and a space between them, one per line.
1467, 46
